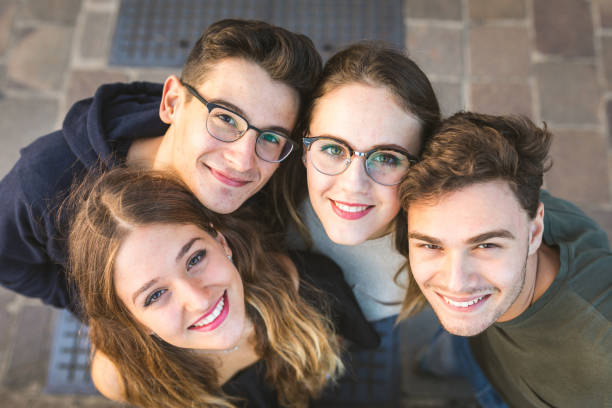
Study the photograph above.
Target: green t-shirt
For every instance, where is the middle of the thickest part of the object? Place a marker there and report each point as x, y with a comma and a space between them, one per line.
559, 351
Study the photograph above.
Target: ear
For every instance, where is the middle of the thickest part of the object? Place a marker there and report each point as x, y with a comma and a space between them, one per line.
171, 97
221, 239
536, 230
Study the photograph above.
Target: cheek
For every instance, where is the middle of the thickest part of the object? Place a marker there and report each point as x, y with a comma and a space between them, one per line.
317, 183
387, 197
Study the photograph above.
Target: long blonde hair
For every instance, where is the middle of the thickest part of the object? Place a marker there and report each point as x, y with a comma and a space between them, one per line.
295, 341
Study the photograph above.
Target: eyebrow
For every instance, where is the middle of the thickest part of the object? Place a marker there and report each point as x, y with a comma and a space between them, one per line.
485, 236
240, 112
153, 281
379, 146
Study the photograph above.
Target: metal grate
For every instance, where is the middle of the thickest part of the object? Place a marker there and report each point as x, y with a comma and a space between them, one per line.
69, 365
161, 32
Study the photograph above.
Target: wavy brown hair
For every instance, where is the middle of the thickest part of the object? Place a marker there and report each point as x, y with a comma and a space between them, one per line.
295, 341
475, 148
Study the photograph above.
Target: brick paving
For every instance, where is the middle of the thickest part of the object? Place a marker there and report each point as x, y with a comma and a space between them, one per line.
548, 59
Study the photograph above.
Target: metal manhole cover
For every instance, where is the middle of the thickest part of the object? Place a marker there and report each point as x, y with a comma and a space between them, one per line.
161, 32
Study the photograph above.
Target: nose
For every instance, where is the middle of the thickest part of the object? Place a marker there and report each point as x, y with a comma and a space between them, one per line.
240, 154
192, 294
456, 272
354, 178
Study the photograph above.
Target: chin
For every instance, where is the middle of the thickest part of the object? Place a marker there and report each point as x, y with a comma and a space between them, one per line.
346, 238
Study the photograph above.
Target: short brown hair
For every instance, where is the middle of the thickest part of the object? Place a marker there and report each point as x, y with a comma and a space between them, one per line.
286, 56
472, 148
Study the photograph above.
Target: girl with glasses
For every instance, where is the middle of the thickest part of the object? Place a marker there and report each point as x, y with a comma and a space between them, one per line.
370, 114
190, 308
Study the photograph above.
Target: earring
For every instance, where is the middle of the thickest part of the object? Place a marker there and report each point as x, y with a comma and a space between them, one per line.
230, 258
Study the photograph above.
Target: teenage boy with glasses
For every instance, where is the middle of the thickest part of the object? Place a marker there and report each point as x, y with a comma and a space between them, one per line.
521, 279
253, 75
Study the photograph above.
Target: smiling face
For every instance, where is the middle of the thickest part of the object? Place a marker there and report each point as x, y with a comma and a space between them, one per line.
351, 206
177, 281
472, 255
223, 175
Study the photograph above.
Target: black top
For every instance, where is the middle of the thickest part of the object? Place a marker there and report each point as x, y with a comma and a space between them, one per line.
334, 295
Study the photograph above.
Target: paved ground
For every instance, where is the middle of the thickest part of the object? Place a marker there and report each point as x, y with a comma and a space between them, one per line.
549, 59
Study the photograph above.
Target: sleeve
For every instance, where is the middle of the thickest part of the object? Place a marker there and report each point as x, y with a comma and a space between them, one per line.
249, 387
26, 265
338, 298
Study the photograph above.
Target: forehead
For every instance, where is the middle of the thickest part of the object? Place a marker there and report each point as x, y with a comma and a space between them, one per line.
468, 212
244, 84
365, 116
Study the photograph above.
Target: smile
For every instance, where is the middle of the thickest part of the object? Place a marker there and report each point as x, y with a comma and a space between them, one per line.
227, 179
350, 211
467, 304
213, 318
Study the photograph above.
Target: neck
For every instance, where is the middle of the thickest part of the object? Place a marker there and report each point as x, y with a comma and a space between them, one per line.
144, 152
547, 269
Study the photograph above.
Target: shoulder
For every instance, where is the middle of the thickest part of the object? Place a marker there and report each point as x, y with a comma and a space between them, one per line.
106, 377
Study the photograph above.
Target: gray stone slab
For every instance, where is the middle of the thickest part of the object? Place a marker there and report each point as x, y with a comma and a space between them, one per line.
498, 9
8, 8
437, 50
95, 42
449, 97
605, 12
155, 74
564, 27
53, 11
40, 58
433, 9
606, 57
580, 167
21, 121
569, 92
28, 362
499, 51
501, 98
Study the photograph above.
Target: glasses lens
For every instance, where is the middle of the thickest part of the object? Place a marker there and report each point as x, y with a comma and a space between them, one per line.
329, 156
387, 166
225, 125
272, 146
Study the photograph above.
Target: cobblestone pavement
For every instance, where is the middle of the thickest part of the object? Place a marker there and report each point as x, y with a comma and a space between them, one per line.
548, 59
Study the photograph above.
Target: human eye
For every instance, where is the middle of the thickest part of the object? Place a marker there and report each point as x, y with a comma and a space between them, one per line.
487, 245
332, 149
224, 118
195, 259
387, 159
154, 296
431, 246
271, 138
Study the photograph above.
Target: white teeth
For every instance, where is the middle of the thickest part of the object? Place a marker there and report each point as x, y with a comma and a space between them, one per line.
463, 304
211, 317
351, 208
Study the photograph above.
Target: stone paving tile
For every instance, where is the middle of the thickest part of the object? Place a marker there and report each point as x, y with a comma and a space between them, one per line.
155, 74
606, 56
580, 167
30, 355
449, 97
437, 50
498, 9
605, 12
21, 121
609, 118
569, 92
83, 84
95, 42
8, 9
53, 11
553, 19
499, 98
433, 9
499, 51
40, 58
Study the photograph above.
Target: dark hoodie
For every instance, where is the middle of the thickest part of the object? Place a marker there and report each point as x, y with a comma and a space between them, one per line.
102, 128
